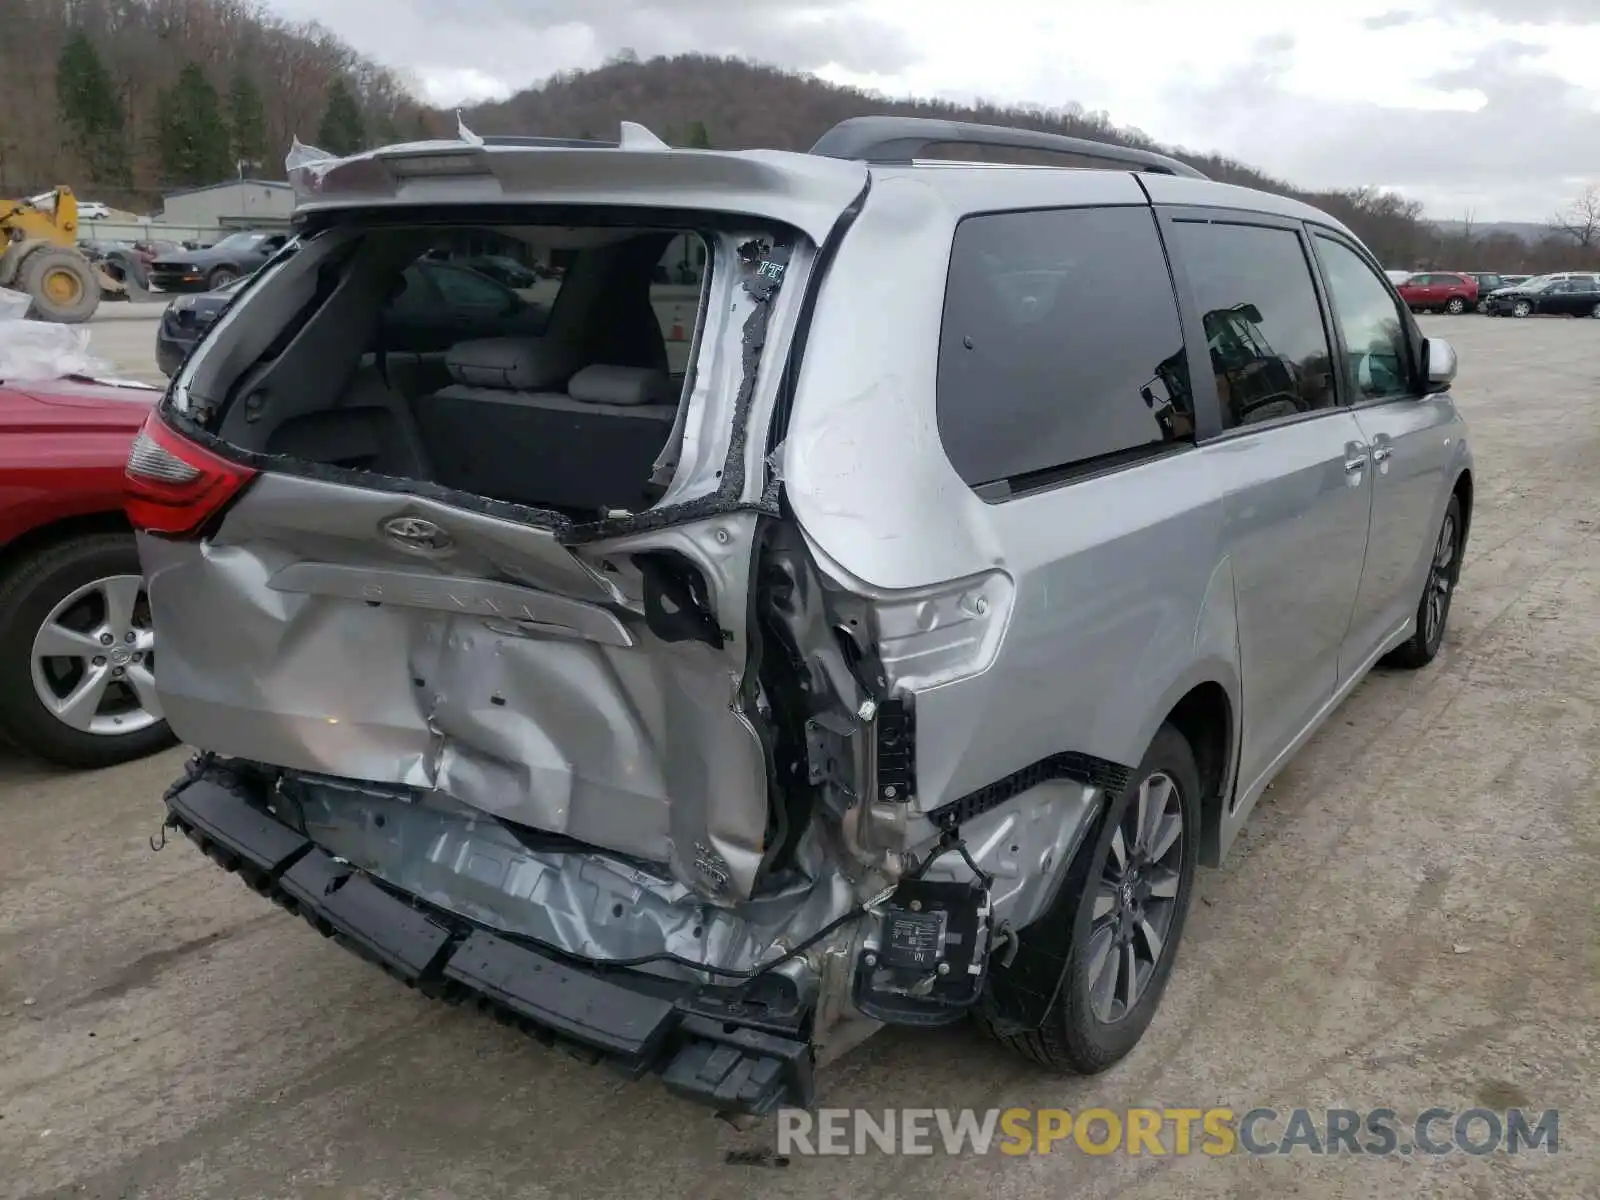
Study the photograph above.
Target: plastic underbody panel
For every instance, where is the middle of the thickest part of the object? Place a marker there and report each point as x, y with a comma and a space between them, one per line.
638, 1023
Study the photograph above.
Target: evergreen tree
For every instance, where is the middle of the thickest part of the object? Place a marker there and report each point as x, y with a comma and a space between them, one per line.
247, 120
89, 105
341, 131
387, 130
192, 139
699, 138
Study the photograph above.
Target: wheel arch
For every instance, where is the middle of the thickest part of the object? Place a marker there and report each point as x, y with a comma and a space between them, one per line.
1207, 717
53, 533
1462, 491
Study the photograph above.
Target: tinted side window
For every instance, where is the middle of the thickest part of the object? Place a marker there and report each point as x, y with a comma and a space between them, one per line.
1263, 325
1369, 322
1060, 344
471, 293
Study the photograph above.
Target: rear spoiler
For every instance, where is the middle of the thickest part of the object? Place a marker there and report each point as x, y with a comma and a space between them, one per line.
807, 192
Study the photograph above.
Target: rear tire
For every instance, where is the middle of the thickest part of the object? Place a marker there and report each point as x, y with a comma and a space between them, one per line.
1456, 306
29, 593
1438, 590
62, 285
1094, 912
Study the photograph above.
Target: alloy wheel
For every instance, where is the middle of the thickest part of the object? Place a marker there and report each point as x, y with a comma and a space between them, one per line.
1521, 308
1441, 578
1456, 306
93, 659
1136, 899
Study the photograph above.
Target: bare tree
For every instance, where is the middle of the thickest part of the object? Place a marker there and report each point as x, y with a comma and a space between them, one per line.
1581, 220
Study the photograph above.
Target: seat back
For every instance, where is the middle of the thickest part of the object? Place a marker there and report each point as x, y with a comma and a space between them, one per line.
515, 426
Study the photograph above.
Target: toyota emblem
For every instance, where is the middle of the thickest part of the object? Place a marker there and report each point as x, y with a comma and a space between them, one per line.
415, 533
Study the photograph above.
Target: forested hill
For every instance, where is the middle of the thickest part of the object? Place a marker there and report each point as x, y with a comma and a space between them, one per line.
732, 104
125, 99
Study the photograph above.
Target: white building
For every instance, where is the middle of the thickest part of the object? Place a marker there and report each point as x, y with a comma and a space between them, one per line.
236, 204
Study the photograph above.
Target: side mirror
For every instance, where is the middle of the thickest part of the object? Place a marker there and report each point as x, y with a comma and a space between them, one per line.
1441, 365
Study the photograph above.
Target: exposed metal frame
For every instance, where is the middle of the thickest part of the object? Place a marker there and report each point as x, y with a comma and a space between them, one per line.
904, 139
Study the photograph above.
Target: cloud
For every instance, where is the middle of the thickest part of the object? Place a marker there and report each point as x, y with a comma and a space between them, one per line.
1496, 98
1528, 12
1391, 20
514, 44
1522, 152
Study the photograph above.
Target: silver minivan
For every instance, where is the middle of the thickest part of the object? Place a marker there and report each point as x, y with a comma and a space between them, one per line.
844, 589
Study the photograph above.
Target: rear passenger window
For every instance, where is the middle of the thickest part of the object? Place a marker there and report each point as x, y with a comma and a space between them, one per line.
1269, 351
1369, 321
1061, 343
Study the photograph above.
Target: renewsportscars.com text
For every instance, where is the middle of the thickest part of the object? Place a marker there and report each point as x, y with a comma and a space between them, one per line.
1166, 1131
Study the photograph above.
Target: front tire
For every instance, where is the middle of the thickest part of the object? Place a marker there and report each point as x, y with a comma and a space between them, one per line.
220, 278
1122, 907
76, 655
1522, 308
1433, 611
62, 284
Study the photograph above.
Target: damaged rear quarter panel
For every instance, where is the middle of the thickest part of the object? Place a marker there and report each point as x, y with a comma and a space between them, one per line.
299, 637
636, 748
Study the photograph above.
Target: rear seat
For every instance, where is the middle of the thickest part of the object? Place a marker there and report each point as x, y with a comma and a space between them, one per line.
520, 424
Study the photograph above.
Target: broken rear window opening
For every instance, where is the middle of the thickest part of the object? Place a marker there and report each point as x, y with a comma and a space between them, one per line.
548, 367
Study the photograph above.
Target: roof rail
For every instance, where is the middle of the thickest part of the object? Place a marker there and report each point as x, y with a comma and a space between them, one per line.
902, 139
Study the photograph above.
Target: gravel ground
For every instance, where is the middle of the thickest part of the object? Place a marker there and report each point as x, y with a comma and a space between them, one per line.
124, 334
1410, 920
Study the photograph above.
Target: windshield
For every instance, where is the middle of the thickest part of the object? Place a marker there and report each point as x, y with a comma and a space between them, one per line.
240, 241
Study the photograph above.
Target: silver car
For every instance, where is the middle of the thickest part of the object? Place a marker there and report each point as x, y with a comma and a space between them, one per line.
878, 629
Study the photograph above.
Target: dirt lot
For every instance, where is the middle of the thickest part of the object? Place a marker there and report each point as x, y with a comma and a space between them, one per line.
1410, 921
124, 334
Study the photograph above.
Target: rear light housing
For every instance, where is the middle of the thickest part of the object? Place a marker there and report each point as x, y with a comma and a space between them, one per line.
173, 487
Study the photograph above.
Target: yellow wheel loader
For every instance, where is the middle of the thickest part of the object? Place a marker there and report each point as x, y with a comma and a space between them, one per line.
39, 256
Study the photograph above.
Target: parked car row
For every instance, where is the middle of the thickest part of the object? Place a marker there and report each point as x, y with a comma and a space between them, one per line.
1567, 293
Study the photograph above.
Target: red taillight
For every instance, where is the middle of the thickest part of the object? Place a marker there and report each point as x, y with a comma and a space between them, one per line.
172, 486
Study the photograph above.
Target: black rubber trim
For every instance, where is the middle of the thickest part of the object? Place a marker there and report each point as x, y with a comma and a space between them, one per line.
635, 1023
738, 1069
591, 1010
896, 139
1108, 776
258, 837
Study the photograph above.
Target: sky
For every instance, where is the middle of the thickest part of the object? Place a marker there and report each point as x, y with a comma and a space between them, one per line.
1457, 103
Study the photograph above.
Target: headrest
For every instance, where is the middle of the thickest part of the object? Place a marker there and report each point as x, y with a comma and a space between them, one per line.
517, 364
621, 386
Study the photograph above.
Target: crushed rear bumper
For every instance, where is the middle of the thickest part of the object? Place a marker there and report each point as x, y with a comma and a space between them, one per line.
640, 1024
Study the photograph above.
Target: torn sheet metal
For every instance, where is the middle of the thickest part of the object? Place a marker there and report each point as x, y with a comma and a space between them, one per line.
569, 898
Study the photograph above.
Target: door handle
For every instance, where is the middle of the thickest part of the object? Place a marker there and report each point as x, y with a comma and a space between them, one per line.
1355, 457
1381, 454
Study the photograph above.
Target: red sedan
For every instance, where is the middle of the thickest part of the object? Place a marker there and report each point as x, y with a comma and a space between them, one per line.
1439, 291
76, 647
